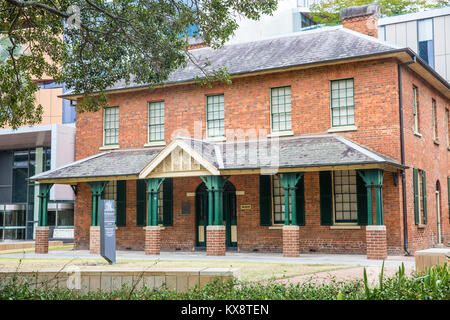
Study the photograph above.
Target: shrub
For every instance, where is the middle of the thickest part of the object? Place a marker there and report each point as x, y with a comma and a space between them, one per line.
431, 285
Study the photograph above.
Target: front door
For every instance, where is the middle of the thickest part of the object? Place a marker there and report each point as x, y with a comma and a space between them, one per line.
229, 214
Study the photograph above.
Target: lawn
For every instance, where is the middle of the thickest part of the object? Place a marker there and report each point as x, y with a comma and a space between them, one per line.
250, 271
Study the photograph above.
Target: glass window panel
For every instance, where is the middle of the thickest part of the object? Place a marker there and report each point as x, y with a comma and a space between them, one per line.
342, 99
281, 109
216, 116
19, 190
345, 196
156, 121
425, 29
111, 125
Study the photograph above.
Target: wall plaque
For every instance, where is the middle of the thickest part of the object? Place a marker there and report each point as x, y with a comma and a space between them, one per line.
185, 208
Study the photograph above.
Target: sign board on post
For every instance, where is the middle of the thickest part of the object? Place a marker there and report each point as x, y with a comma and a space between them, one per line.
108, 230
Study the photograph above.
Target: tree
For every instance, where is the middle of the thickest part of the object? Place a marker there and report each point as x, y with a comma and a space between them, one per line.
327, 11
91, 44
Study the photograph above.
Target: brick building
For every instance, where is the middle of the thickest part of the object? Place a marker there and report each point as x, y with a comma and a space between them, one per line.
326, 141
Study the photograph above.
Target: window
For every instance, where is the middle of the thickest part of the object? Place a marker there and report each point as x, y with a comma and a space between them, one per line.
447, 119
116, 190
342, 103
110, 191
420, 196
160, 203
415, 110
215, 116
156, 121
111, 126
278, 201
165, 203
306, 21
345, 196
280, 102
382, 33
434, 119
425, 41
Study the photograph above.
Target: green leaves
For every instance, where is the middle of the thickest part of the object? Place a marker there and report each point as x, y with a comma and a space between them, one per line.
327, 11
432, 285
91, 45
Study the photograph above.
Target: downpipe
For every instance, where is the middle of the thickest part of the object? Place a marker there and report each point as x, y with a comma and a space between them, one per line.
402, 154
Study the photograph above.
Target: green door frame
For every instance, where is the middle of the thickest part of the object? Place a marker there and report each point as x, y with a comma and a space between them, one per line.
203, 196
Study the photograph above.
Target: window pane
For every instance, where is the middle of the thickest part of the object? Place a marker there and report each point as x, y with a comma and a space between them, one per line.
345, 196
156, 121
281, 109
278, 200
342, 102
111, 125
215, 115
20, 185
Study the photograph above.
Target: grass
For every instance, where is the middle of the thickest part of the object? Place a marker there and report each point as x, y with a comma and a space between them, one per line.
250, 271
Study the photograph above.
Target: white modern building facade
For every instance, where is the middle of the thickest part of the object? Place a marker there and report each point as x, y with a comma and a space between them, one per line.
427, 33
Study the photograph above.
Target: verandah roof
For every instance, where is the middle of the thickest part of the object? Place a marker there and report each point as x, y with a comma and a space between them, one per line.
192, 157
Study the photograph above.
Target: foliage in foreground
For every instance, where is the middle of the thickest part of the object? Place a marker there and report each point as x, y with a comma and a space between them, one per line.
432, 285
90, 45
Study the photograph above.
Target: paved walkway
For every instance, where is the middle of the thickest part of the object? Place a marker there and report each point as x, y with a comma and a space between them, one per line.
311, 258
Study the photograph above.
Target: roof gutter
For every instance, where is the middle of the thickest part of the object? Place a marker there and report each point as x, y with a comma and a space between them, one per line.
402, 153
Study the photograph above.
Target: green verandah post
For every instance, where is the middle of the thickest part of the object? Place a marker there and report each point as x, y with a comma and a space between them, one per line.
153, 185
44, 190
97, 188
289, 182
215, 186
373, 178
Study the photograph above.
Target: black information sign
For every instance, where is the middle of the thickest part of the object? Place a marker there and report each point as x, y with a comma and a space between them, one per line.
108, 230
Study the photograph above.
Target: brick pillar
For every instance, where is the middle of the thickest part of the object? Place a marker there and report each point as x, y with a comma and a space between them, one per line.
376, 243
215, 241
152, 240
94, 240
41, 242
291, 241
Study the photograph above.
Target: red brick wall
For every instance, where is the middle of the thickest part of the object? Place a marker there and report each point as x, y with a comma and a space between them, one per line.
251, 236
247, 106
423, 153
41, 242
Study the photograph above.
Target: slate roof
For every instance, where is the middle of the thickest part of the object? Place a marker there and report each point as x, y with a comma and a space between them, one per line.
105, 164
286, 152
300, 48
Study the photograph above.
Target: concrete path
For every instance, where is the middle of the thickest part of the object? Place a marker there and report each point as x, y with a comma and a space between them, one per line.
312, 258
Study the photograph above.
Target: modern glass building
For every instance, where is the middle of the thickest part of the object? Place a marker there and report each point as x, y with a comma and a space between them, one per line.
27, 151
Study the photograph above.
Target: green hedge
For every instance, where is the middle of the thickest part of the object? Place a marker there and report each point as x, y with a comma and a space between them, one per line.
432, 285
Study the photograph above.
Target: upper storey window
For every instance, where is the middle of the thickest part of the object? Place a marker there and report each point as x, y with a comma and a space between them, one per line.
111, 126
415, 110
156, 121
342, 103
215, 119
280, 101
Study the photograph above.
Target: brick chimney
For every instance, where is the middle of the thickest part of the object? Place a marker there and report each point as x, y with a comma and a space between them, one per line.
196, 42
363, 19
